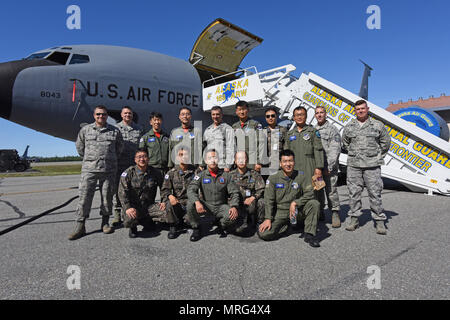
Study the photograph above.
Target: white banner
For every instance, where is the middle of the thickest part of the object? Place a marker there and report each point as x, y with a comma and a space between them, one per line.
229, 93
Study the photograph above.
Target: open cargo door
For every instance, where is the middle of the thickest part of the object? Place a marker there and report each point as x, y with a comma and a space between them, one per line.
220, 49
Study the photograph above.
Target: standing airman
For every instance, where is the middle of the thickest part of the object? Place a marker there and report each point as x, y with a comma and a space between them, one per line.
99, 144
247, 134
367, 143
305, 142
156, 141
331, 142
220, 136
251, 186
131, 134
186, 136
272, 143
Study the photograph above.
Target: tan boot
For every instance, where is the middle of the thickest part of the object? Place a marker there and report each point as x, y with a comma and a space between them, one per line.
335, 220
105, 225
354, 224
79, 231
381, 229
116, 220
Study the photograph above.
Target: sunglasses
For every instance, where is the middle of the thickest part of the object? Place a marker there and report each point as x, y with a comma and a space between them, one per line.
268, 116
101, 114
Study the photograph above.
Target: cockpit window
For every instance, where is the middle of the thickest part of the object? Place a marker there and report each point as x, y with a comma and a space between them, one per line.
40, 55
59, 57
79, 58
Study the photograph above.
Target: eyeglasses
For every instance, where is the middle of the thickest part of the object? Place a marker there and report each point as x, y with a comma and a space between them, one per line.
268, 116
141, 157
101, 114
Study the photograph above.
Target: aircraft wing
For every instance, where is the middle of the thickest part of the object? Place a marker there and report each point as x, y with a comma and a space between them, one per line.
220, 48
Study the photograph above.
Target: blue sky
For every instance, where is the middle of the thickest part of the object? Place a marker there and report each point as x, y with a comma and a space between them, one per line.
409, 53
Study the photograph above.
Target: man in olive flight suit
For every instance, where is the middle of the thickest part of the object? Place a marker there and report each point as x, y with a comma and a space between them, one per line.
251, 186
274, 138
306, 144
137, 192
156, 142
289, 194
186, 136
216, 187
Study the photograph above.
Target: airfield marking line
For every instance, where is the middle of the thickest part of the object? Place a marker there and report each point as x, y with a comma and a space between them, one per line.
39, 191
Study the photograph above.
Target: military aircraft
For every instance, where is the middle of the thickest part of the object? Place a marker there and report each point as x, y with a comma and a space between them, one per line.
55, 90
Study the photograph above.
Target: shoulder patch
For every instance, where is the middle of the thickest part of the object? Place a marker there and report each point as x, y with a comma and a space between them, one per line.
141, 140
166, 177
317, 133
267, 182
124, 174
196, 178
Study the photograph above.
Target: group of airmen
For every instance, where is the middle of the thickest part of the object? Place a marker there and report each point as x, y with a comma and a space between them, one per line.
242, 177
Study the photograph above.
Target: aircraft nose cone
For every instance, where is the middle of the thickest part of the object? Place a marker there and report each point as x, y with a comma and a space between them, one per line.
7, 78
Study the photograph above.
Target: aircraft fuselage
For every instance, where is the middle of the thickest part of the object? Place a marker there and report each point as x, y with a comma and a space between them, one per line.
57, 94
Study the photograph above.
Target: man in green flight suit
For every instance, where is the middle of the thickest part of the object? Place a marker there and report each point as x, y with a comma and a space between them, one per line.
247, 135
156, 142
304, 140
137, 192
251, 186
289, 195
216, 187
186, 136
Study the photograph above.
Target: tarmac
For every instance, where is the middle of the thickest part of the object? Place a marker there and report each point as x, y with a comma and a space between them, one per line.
412, 259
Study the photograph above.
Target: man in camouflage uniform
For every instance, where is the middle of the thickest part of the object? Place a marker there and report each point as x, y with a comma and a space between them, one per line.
174, 190
131, 133
215, 187
272, 142
156, 142
289, 194
331, 142
186, 136
247, 133
251, 186
220, 136
367, 143
100, 145
137, 192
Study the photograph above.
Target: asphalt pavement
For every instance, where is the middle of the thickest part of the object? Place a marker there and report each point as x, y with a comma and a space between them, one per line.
412, 259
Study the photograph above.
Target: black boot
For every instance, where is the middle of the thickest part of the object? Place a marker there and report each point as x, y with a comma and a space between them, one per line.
133, 232
172, 232
311, 240
220, 231
195, 236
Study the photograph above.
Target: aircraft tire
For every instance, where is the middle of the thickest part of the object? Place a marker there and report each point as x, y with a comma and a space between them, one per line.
20, 167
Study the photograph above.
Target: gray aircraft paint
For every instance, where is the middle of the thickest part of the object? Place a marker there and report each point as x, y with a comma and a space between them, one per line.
115, 76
